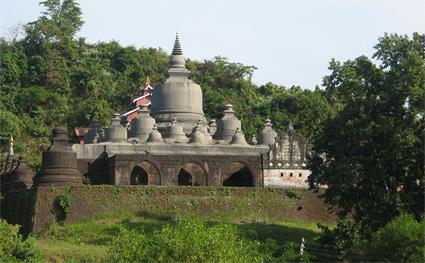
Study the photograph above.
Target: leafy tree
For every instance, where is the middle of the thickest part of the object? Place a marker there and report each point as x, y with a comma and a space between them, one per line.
370, 155
13, 248
401, 240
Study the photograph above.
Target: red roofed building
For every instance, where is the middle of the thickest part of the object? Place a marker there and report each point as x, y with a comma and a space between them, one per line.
144, 100
79, 134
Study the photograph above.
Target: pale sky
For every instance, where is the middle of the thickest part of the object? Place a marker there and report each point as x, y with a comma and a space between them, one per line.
290, 41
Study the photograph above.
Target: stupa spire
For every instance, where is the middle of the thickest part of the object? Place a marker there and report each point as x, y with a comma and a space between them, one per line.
11, 152
177, 49
290, 126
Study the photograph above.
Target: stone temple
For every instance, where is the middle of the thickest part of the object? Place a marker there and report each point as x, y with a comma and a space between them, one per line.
172, 143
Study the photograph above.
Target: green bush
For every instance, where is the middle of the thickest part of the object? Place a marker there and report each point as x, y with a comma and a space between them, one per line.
64, 201
293, 194
401, 240
13, 248
188, 240
342, 239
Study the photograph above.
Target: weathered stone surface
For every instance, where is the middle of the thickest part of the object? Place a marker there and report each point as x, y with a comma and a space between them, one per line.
21, 177
267, 136
116, 133
178, 97
227, 126
141, 126
59, 165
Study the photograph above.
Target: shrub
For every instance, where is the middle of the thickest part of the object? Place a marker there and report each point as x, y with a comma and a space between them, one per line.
117, 190
293, 194
401, 240
342, 239
64, 203
188, 240
289, 252
13, 248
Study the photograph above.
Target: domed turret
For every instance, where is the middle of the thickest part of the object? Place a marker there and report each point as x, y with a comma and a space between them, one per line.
213, 127
238, 138
254, 140
197, 136
116, 133
175, 133
141, 126
21, 177
155, 136
178, 97
59, 162
202, 127
226, 126
94, 135
267, 136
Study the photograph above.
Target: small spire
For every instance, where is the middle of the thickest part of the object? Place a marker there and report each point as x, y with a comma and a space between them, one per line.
148, 81
177, 49
11, 152
290, 126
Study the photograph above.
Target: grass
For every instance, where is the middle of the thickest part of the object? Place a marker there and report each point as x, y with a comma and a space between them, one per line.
87, 241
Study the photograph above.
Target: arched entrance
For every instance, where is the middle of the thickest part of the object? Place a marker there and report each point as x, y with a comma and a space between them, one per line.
192, 174
139, 176
238, 175
184, 178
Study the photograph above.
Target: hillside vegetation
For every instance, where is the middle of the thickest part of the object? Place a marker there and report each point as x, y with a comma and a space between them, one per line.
366, 125
50, 77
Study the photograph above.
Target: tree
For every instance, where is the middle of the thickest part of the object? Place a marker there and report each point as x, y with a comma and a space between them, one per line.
370, 155
13, 247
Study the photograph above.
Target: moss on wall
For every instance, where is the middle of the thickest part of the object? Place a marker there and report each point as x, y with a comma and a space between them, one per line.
221, 202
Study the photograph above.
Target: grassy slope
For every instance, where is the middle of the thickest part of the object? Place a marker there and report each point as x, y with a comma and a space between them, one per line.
87, 241
92, 222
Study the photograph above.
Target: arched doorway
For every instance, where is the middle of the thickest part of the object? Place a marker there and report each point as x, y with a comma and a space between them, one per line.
184, 178
194, 173
139, 176
238, 176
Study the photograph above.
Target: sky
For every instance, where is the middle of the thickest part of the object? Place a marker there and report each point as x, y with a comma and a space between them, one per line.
290, 41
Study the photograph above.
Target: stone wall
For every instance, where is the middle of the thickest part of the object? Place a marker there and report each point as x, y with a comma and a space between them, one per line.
37, 208
206, 170
286, 178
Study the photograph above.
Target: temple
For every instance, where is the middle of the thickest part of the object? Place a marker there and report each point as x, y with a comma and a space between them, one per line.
170, 142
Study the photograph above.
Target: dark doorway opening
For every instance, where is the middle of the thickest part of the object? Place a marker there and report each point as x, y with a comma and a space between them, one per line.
241, 178
185, 178
139, 176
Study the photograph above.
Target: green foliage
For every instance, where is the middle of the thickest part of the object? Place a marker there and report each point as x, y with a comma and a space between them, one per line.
345, 236
64, 201
291, 193
10, 125
289, 252
370, 154
13, 247
188, 240
401, 240
117, 190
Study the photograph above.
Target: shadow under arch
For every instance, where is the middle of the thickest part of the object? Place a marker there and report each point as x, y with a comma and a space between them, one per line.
148, 174
192, 173
139, 176
238, 174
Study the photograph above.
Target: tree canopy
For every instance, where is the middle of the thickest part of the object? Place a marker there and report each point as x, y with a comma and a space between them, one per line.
370, 154
49, 77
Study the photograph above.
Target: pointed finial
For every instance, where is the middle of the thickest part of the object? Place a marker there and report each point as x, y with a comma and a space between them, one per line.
177, 49
11, 152
290, 126
148, 81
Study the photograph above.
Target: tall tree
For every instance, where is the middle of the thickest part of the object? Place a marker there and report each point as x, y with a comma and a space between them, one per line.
370, 154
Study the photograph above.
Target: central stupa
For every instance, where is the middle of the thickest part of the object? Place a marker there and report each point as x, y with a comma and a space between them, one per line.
178, 98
